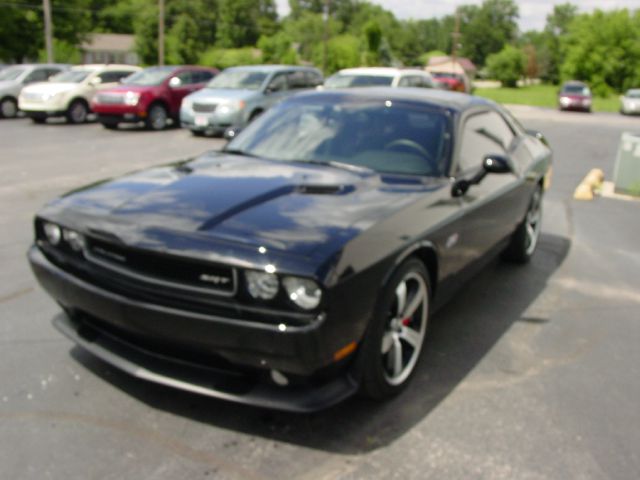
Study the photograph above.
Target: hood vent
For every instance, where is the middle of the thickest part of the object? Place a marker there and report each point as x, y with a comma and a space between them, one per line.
321, 189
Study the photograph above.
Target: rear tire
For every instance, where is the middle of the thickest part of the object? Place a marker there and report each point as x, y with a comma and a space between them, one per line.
393, 342
77, 112
157, 117
525, 239
8, 108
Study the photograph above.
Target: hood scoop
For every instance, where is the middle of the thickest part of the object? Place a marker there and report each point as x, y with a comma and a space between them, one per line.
325, 189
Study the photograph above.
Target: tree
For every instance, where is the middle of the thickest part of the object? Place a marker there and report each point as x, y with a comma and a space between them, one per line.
240, 21
343, 51
488, 28
603, 49
508, 65
21, 27
278, 48
556, 29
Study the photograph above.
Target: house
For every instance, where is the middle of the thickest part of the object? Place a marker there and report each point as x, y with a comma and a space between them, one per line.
109, 48
446, 64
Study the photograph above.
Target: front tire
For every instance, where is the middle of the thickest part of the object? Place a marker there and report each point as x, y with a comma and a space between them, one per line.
525, 239
394, 339
8, 108
157, 117
77, 112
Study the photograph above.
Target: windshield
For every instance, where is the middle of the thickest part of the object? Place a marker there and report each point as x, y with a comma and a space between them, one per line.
576, 90
341, 80
71, 76
402, 138
11, 73
238, 80
633, 94
149, 77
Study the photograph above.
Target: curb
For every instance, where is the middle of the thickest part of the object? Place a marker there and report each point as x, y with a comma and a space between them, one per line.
593, 181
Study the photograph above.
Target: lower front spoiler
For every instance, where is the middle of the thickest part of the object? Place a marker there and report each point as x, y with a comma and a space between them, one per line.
203, 380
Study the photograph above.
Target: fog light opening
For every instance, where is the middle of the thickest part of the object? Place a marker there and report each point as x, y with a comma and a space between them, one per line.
279, 378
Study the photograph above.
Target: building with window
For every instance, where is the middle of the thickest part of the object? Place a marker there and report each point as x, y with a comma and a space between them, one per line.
109, 48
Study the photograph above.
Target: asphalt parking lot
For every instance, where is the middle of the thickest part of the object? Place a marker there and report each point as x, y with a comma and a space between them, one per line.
529, 373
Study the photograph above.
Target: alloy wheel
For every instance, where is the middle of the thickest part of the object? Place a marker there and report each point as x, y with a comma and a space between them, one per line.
533, 222
8, 108
157, 117
405, 329
78, 112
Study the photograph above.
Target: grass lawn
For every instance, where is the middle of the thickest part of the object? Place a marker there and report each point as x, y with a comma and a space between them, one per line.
541, 96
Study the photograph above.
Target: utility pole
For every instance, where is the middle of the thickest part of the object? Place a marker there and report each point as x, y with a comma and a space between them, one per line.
455, 36
325, 36
161, 32
48, 30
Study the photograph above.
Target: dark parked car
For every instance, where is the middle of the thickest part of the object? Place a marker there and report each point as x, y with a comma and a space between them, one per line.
301, 263
153, 96
575, 96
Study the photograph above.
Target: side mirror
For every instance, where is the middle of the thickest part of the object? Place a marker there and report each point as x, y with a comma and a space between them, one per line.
490, 164
95, 81
496, 164
175, 82
231, 132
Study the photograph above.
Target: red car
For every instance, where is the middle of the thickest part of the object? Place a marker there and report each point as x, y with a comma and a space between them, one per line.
153, 96
450, 81
575, 96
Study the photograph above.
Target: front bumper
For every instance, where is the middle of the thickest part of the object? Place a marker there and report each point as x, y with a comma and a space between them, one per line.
140, 338
214, 122
42, 109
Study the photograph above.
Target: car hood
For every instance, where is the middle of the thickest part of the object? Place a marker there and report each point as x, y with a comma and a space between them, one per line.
221, 95
303, 209
9, 86
50, 87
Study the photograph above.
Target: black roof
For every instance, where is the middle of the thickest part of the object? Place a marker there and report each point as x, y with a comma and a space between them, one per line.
438, 98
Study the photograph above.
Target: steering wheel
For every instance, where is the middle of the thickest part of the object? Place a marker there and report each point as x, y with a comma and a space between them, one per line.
410, 144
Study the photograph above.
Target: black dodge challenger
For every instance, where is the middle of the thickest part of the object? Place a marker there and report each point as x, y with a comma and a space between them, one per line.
300, 264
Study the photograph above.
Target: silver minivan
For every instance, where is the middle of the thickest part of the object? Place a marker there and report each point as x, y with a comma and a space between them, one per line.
239, 94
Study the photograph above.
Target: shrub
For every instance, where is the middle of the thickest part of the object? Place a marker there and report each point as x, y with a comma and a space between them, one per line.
508, 65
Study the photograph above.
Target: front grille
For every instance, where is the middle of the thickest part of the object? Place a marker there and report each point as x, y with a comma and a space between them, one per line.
204, 107
161, 269
32, 96
110, 99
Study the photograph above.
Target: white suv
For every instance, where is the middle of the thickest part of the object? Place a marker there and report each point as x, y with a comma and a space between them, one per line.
379, 77
69, 94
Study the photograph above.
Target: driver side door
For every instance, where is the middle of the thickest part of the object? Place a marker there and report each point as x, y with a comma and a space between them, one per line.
491, 208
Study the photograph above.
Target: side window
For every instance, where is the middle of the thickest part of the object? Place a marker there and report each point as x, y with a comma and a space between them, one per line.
202, 76
313, 79
483, 134
405, 82
296, 80
38, 75
52, 71
186, 78
112, 77
424, 82
278, 83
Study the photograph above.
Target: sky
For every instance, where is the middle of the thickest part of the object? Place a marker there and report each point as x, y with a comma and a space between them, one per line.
533, 13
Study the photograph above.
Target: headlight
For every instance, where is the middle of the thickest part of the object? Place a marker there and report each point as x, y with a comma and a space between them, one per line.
303, 292
74, 239
586, 101
261, 284
565, 101
226, 108
53, 233
131, 98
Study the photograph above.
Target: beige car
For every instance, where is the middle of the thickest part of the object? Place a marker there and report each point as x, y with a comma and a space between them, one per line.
69, 93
